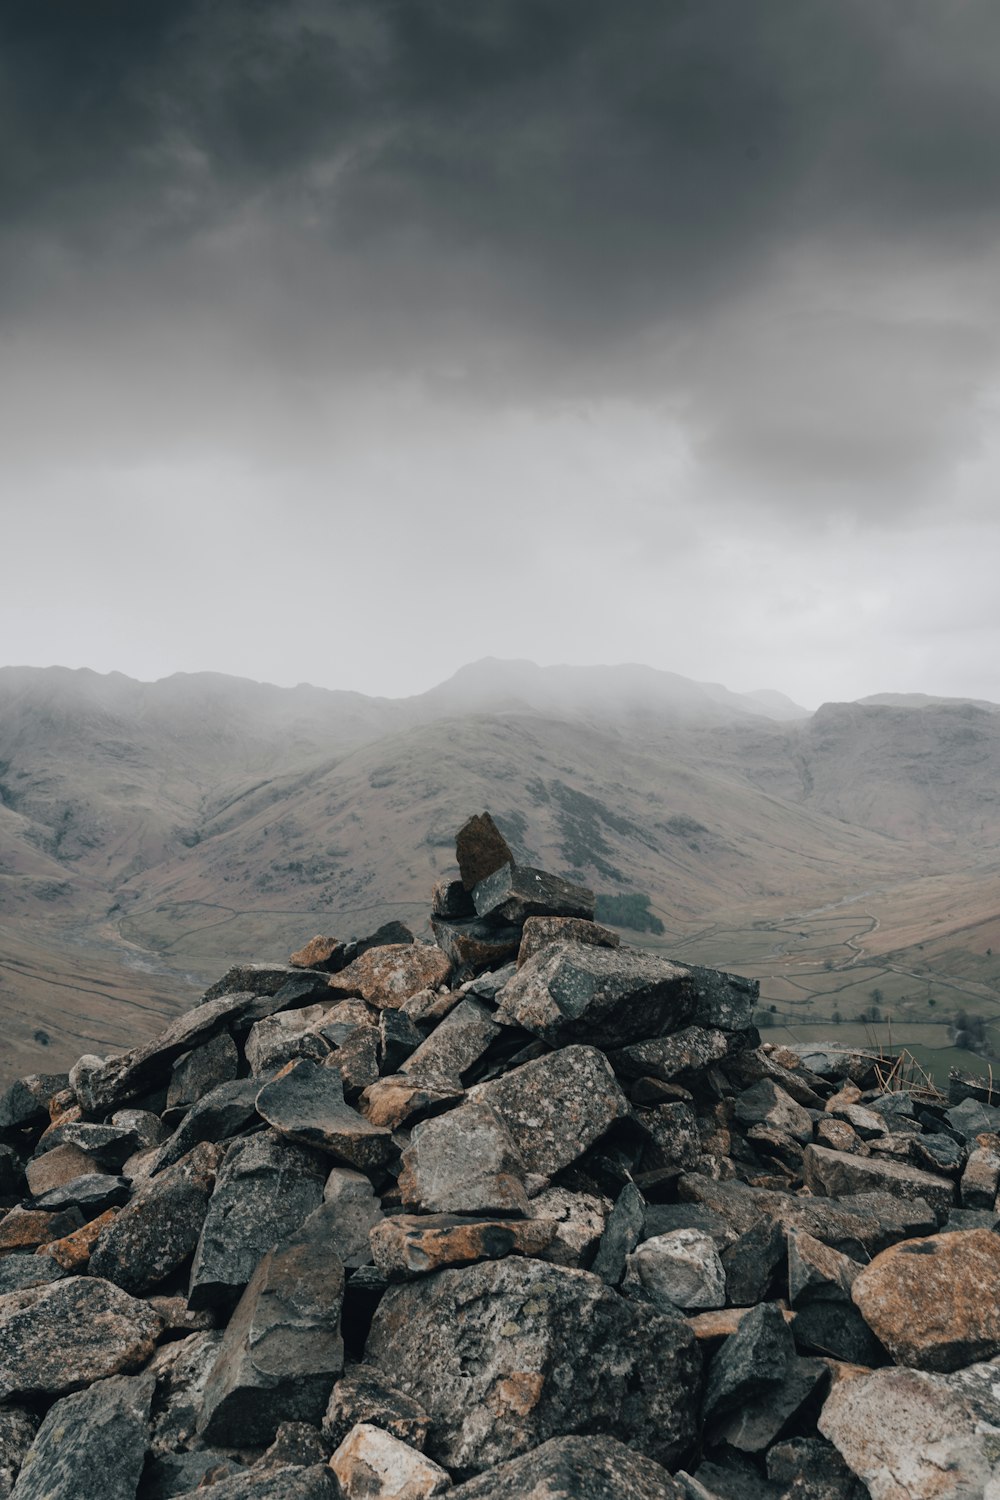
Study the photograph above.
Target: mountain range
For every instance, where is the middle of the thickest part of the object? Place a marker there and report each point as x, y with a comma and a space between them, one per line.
152, 833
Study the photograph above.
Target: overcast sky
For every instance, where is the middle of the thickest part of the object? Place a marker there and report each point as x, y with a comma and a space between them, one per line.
347, 341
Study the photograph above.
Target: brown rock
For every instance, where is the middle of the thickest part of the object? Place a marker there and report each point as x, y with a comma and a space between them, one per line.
412, 1244
370, 1461
316, 954
55, 1168
27, 1228
839, 1136
72, 1252
539, 932
386, 977
935, 1303
719, 1323
56, 1338
834, 1174
398, 1100
473, 945
480, 849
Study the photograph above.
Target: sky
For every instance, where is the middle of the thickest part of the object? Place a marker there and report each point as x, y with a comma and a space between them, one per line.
348, 341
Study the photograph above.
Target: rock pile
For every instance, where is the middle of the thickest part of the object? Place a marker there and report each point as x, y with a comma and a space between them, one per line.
523, 1213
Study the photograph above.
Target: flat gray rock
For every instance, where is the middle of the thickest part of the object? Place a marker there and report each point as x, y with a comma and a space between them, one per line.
454, 1045
58, 1337
464, 1162
159, 1228
307, 1105
514, 893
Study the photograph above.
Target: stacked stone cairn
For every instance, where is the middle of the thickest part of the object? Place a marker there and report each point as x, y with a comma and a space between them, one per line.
522, 1213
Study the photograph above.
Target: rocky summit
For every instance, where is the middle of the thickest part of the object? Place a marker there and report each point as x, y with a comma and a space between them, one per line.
522, 1214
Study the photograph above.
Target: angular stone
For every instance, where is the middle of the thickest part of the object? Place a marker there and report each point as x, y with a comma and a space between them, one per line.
540, 932
971, 1118
681, 1269
674, 1140
298, 1444
911, 1436
158, 1230
317, 953
866, 1123
622, 1232
812, 1469
514, 893
282, 1349
169, 1475
981, 1178
449, 898
65, 1335
833, 1174
406, 1245
570, 1351
557, 1106
17, 1433
573, 993
456, 1044
356, 1059
464, 1162
371, 1461
575, 1468
91, 1445
480, 849
935, 1303
307, 1105
148, 1129
399, 1100
91, 1194
198, 1072
26, 1100
316, 1482
398, 1038
754, 1263
839, 1136
182, 1369
816, 1273
671, 1058
725, 1002
819, 1288
178, 1318
225, 1111
107, 1147
899, 1218
427, 1007
753, 1361
837, 1331
21, 1271
388, 976
755, 1423
579, 1220
768, 1104
265, 1188
366, 1396
55, 1168
473, 945
290, 1034
937, 1153
72, 1251
356, 1214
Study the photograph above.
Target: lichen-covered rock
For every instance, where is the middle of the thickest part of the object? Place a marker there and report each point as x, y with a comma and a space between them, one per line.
91, 1445
198, 1072
414, 1244
556, 1106
514, 893
291, 1033
388, 976
17, 1433
579, 1219
541, 932
365, 1395
506, 1354
766, 1103
159, 1228
306, 1103
290, 1482
282, 1349
264, 1190
182, 1370
681, 1269
834, 1174
935, 1303
575, 1468
672, 1058
455, 1045
370, 1461
356, 1212
58, 1337
464, 1162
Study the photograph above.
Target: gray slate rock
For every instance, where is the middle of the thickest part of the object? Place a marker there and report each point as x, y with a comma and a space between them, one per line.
506, 1354
755, 1423
18, 1272
514, 893
751, 1362
282, 1349
225, 1111
160, 1227
58, 1337
676, 1058
681, 1269
182, 1370
92, 1193
455, 1045
109, 1146
17, 1433
574, 1468
812, 1469
480, 849
834, 1173
26, 1101
307, 1105
356, 1212
287, 1483
623, 1230
557, 1106
91, 1445
971, 1118
291, 1033
464, 1162
265, 1188
198, 1072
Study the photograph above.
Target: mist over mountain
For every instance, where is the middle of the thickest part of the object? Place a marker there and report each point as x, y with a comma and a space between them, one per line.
150, 833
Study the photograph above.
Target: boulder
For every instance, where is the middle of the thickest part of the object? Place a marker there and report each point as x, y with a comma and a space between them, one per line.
156, 1232
282, 1349
623, 1229
370, 1461
981, 1178
356, 1212
91, 1445
754, 1424
514, 893
55, 1168
812, 1469
25, 1102
265, 1188
398, 1038
182, 1369
225, 1111
935, 1303
405, 1245
306, 1103
540, 932
465, 1161
575, 1468
672, 1058
480, 849
290, 1034
365, 1395
19, 1272
472, 945
91, 1193
317, 953
506, 1354
455, 1045
198, 1072
579, 1219
388, 976
557, 1106
58, 1337
107, 1146
752, 1361
766, 1103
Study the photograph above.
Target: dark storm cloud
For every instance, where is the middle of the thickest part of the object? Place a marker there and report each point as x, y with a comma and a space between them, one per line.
552, 195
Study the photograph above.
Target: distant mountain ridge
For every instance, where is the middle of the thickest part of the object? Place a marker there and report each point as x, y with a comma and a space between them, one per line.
151, 831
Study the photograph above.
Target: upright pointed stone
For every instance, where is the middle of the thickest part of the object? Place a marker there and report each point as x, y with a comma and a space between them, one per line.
480, 848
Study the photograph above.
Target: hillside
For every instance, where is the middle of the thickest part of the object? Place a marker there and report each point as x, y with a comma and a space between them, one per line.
151, 832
